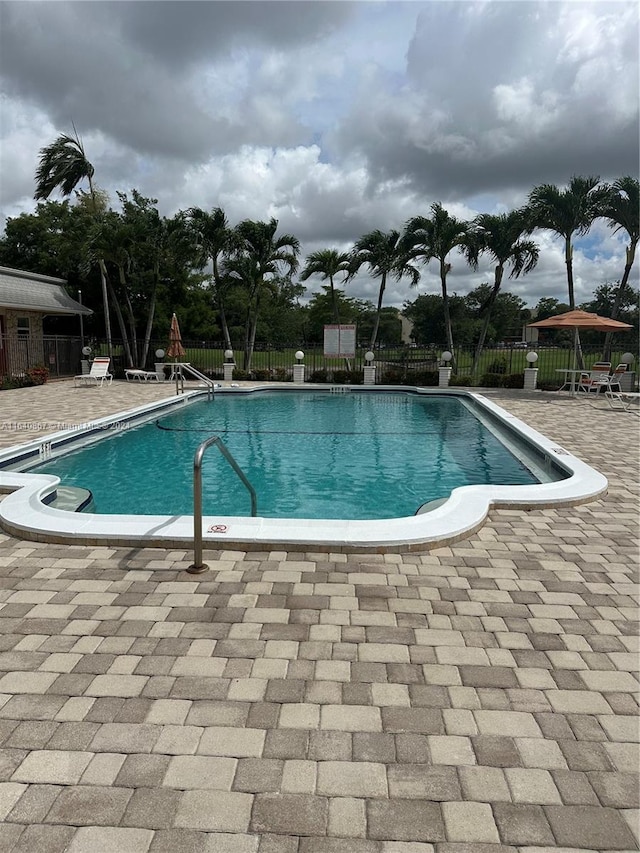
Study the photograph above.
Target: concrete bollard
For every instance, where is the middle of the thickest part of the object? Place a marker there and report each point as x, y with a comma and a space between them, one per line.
444, 377
227, 370
298, 374
369, 375
530, 378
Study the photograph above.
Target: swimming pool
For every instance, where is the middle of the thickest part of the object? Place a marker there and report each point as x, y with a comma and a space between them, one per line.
308, 455
247, 423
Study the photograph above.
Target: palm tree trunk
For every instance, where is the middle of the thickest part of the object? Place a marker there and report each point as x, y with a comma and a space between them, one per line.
150, 317
568, 256
121, 323
132, 322
220, 302
617, 302
444, 269
376, 322
497, 282
105, 302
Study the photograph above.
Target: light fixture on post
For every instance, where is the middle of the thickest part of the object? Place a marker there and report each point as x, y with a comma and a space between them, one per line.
229, 365
444, 371
531, 372
369, 369
84, 361
160, 365
298, 368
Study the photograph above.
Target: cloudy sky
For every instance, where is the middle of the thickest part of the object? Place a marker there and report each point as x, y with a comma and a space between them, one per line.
334, 117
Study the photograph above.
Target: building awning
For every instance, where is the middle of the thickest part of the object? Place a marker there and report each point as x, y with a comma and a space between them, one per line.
28, 291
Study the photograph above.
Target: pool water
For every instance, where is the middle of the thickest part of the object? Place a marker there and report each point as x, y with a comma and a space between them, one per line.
308, 455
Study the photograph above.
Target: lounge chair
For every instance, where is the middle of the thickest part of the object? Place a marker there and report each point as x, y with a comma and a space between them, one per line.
593, 379
98, 375
137, 375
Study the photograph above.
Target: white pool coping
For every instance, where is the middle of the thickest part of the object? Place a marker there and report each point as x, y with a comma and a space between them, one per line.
23, 513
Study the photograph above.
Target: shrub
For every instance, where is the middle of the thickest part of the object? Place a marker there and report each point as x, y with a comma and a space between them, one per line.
240, 375
498, 365
424, 377
393, 377
262, 375
283, 374
461, 380
37, 375
319, 376
491, 380
514, 380
347, 377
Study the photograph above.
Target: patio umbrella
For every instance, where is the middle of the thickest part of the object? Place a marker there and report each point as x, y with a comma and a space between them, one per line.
577, 320
175, 349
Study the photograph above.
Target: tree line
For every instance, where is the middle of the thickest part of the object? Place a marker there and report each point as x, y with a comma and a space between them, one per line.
135, 265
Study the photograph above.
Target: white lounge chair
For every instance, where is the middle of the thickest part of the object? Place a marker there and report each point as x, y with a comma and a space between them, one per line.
98, 375
137, 375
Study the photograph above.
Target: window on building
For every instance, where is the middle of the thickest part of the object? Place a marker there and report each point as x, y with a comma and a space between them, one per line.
22, 327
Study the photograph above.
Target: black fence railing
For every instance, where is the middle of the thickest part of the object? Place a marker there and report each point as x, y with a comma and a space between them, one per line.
62, 356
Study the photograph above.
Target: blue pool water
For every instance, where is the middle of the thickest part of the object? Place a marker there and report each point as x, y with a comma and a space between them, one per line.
308, 455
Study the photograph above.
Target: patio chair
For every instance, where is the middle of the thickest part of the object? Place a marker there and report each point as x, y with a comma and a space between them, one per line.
98, 375
593, 379
137, 375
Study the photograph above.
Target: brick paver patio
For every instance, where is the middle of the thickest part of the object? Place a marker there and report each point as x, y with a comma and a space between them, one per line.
469, 699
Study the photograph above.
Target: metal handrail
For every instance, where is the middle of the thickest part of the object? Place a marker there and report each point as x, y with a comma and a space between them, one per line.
198, 566
197, 374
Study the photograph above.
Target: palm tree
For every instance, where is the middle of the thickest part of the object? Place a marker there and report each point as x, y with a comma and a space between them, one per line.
328, 263
565, 212
434, 239
212, 230
383, 253
621, 210
500, 236
257, 258
63, 165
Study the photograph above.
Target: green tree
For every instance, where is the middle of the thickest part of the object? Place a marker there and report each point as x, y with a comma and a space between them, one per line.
434, 239
383, 254
500, 236
257, 258
621, 209
63, 165
213, 236
328, 263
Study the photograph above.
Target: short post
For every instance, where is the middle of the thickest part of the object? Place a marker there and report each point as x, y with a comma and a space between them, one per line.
229, 365
85, 364
444, 371
159, 365
369, 369
531, 372
628, 378
298, 369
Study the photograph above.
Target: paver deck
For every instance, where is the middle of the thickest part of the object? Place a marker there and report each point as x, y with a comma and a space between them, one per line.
477, 698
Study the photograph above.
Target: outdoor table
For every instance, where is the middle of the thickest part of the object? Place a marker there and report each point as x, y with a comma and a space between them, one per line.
570, 383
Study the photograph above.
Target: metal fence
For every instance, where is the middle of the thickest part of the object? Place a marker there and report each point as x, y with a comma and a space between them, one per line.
401, 364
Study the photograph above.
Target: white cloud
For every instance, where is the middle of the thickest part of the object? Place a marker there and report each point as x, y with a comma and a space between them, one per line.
335, 118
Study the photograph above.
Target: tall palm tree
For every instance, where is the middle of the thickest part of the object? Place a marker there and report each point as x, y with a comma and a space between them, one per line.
63, 165
566, 212
499, 235
383, 254
621, 209
213, 234
434, 239
328, 263
257, 258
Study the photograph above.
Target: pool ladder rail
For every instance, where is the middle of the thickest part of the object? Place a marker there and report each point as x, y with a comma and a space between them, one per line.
179, 377
198, 566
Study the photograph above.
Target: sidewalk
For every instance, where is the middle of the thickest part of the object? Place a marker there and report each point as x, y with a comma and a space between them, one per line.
472, 699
